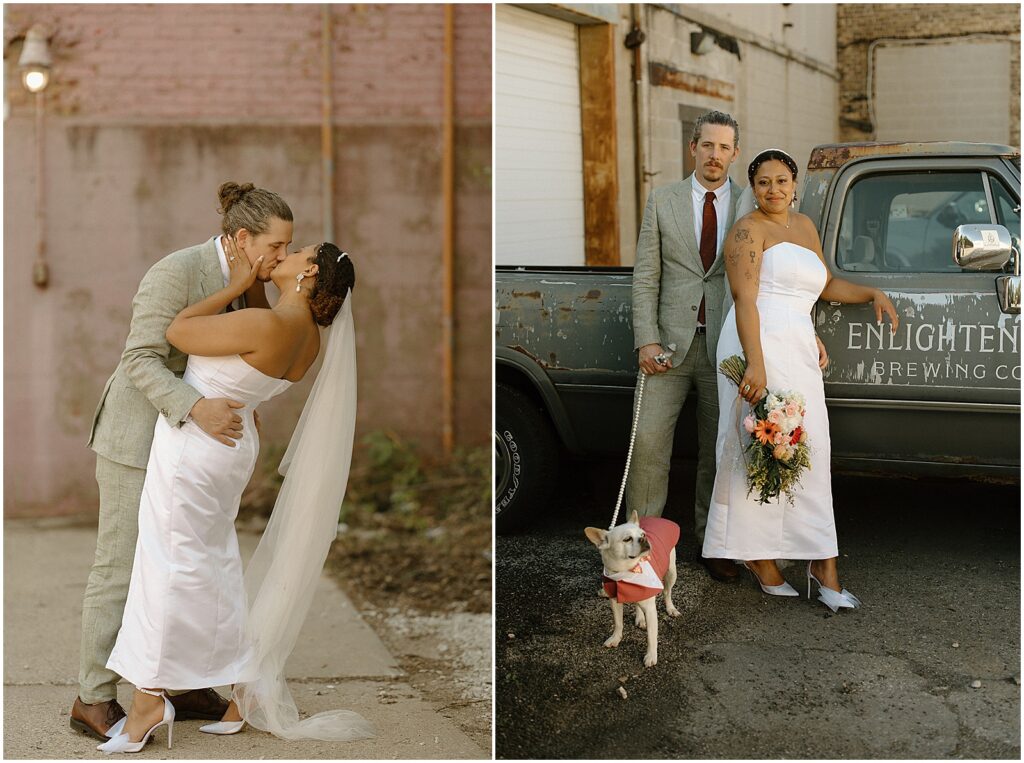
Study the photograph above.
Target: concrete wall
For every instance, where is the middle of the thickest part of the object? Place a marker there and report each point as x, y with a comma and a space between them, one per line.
782, 87
151, 107
860, 25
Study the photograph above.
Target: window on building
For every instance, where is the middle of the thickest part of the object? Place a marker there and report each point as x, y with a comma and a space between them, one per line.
904, 222
688, 116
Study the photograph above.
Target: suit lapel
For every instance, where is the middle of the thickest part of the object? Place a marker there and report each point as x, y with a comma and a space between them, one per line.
682, 209
209, 264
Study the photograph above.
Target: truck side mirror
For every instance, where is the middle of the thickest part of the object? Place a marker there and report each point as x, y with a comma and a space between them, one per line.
981, 246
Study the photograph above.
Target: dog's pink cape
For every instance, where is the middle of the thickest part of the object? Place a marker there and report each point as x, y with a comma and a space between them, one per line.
662, 534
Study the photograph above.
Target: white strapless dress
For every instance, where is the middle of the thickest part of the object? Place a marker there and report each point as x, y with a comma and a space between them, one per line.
184, 620
792, 278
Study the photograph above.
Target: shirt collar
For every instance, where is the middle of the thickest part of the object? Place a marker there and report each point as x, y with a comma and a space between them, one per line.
223, 259
698, 188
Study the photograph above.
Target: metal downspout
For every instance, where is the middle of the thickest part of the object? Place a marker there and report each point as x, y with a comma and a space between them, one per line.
448, 233
40, 270
326, 126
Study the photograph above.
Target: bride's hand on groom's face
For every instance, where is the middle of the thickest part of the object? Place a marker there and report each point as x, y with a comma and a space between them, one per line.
242, 274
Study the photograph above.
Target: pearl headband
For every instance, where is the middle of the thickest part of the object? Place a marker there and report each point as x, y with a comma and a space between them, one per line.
320, 249
772, 153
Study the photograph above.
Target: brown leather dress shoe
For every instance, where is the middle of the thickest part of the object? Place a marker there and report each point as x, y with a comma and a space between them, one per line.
95, 719
204, 704
722, 570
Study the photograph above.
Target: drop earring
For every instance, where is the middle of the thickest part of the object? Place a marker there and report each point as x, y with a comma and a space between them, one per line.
298, 281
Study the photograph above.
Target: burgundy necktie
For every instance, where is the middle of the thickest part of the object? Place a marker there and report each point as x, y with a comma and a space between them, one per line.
708, 241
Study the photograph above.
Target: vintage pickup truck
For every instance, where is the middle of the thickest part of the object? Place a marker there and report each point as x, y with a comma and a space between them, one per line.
936, 225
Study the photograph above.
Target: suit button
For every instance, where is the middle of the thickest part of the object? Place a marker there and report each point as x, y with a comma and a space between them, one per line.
164, 411
693, 307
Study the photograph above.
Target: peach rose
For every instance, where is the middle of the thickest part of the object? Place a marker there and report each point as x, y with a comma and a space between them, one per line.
748, 424
781, 453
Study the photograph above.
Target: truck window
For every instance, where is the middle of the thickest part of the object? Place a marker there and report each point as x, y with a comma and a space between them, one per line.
904, 222
1007, 207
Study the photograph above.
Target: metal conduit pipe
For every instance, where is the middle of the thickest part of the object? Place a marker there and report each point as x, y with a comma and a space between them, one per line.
448, 234
326, 126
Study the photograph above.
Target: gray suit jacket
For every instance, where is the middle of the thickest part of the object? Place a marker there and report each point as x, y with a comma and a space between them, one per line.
669, 278
148, 381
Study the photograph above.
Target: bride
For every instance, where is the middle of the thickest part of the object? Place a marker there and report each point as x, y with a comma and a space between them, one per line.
776, 272
191, 619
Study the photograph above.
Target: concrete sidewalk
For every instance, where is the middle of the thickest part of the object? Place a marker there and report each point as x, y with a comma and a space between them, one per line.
339, 662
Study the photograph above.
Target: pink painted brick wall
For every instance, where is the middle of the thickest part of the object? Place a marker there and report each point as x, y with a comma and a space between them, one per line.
257, 62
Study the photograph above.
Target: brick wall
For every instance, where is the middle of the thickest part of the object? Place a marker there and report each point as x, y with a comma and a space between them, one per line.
150, 108
255, 62
859, 25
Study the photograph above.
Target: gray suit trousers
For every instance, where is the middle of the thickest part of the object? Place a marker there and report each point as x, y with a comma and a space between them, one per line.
107, 589
664, 397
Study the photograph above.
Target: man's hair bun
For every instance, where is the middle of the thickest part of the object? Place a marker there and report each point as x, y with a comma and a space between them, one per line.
231, 193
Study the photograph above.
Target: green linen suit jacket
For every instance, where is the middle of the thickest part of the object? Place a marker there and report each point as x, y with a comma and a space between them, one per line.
147, 381
669, 278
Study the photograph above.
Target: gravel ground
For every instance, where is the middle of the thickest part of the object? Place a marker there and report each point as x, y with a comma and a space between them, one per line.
423, 582
928, 668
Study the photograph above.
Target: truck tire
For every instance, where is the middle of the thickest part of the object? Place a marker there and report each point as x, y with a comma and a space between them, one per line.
526, 458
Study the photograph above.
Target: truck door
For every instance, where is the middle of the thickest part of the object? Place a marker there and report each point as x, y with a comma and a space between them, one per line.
946, 387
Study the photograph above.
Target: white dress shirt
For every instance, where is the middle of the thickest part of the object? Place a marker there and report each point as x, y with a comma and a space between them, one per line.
723, 195
224, 269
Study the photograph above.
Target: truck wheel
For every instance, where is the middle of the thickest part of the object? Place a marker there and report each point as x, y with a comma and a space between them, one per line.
526, 458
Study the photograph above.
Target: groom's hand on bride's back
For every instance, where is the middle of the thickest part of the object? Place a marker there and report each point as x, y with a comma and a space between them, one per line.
216, 416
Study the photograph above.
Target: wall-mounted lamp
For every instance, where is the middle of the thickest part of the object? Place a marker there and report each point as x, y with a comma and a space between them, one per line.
35, 60
701, 43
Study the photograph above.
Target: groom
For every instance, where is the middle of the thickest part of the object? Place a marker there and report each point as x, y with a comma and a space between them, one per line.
678, 291
146, 383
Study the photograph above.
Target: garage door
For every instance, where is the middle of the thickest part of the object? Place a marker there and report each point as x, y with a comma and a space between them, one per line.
943, 91
539, 154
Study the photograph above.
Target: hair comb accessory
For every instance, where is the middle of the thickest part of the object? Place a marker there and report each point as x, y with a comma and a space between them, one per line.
343, 254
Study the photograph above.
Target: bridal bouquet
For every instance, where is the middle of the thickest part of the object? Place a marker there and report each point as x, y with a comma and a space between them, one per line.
777, 452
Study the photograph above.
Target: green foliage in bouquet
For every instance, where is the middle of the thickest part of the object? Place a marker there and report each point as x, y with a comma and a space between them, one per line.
772, 469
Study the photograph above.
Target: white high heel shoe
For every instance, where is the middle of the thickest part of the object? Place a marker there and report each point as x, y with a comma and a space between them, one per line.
123, 743
223, 727
830, 598
772, 590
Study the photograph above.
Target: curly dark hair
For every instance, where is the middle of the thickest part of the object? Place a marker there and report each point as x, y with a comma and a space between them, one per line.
766, 156
249, 207
335, 277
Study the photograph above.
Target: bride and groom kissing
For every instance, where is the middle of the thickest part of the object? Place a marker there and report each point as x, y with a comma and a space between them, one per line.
716, 276
167, 605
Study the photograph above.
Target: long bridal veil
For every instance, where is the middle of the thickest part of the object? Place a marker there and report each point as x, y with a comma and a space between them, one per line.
283, 573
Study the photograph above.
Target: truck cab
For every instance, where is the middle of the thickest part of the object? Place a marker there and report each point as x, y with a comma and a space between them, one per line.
934, 225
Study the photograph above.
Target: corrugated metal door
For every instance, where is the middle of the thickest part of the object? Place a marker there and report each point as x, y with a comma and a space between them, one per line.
539, 165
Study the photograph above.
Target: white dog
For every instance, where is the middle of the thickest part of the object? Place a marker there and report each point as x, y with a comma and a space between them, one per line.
639, 562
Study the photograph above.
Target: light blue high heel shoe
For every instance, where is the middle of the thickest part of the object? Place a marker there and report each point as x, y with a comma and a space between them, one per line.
772, 590
830, 598
123, 743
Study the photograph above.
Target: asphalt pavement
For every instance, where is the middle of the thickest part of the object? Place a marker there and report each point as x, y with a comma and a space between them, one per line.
338, 662
929, 667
